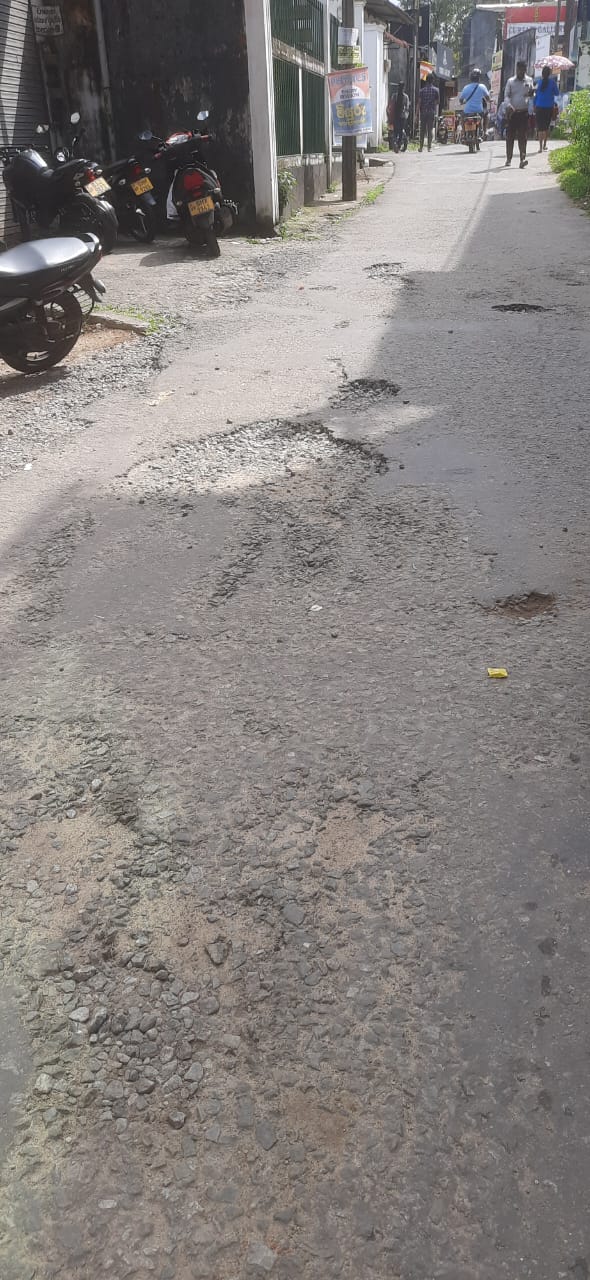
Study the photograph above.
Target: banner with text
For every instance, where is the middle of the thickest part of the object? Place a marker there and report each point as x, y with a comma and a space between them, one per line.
350, 99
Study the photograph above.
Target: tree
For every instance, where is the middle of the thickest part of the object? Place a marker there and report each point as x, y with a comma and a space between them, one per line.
447, 18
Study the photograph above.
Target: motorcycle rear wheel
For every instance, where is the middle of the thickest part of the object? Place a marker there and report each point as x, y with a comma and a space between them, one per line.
203, 236
64, 323
84, 213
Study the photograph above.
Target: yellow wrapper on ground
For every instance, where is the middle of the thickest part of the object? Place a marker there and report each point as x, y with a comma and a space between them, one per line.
497, 673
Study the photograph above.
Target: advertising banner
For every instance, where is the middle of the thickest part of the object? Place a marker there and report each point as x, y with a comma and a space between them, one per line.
349, 49
350, 99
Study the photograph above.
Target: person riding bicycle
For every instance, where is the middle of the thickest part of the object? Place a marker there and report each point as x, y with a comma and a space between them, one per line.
475, 97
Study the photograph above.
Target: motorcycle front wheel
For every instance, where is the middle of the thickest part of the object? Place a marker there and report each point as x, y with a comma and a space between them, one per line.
37, 350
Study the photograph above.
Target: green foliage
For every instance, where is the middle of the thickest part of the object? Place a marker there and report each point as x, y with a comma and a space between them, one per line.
562, 159
572, 163
373, 195
286, 182
447, 18
575, 184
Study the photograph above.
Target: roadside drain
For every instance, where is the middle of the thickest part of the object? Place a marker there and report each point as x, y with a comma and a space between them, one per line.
530, 605
363, 391
519, 306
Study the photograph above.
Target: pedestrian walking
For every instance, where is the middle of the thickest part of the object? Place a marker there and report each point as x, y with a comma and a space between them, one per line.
402, 112
546, 95
428, 103
519, 89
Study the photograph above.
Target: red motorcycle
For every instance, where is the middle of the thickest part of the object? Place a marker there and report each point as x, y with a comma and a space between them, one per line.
191, 190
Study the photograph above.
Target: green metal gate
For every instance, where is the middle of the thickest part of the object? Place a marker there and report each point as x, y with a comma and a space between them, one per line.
299, 75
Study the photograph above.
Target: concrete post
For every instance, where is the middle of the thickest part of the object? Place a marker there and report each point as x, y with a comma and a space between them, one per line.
327, 108
262, 111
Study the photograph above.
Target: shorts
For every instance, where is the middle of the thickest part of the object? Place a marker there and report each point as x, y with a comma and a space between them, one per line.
544, 116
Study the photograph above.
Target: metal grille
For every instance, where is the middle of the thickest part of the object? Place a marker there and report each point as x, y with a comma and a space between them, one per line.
314, 105
286, 77
22, 98
299, 23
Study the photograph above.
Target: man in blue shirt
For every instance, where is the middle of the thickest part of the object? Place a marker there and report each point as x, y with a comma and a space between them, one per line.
475, 97
546, 93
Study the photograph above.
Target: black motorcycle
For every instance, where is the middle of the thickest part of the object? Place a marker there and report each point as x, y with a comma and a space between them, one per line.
132, 194
67, 192
40, 288
190, 191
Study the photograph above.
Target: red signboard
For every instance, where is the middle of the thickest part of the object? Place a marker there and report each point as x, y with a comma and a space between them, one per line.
529, 15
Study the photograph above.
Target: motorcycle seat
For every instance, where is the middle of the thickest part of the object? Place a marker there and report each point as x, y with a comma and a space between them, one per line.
32, 267
68, 169
118, 166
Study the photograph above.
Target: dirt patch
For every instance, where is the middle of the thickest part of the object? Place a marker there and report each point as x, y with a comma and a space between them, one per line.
527, 606
92, 341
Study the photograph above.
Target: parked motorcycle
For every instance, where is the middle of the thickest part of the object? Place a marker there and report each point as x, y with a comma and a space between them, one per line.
471, 133
192, 192
68, 192
400, 141
40, 288
132, 194
442, 132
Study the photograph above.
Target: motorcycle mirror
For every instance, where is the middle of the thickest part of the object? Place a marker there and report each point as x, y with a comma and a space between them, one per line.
203, 115
75, 117
60, 155
146, 136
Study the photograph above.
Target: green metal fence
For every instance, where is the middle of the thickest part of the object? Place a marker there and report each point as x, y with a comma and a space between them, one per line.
287, 117
300, 92
314, 113
299, 23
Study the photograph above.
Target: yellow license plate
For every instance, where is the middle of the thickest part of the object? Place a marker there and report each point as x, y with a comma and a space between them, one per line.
201, 206
98, 187
142, 186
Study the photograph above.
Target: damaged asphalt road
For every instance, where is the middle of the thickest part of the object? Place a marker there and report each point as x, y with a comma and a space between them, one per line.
294, 898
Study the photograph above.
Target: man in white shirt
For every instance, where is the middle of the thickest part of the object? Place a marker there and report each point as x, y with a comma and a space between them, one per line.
519, 89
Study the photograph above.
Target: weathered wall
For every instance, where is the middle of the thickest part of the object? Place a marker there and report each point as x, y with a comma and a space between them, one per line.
72, 76
169, 61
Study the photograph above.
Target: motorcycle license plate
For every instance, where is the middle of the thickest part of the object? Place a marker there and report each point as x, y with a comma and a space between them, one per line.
142, 186
98, 187
201, 206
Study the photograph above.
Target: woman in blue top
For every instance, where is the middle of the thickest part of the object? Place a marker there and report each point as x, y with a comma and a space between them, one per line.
545, 95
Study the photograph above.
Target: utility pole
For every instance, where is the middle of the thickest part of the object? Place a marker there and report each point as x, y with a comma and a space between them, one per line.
557, 26
415, 68
348, 144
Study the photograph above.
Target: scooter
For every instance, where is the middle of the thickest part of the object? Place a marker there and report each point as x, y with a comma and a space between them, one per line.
192, 192
40, 312
132, 194
442, 132
67, 192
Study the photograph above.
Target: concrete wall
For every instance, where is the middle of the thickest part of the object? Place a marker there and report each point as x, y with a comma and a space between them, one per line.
374, 57
167, 62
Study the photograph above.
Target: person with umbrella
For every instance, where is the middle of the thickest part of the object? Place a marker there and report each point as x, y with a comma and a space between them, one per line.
546, 94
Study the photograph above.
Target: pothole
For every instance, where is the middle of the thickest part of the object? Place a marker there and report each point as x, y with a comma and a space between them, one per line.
362, 391
527, 606
384, 270
258, 454
519, 306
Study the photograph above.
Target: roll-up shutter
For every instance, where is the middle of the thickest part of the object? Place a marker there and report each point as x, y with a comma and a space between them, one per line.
22, 97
